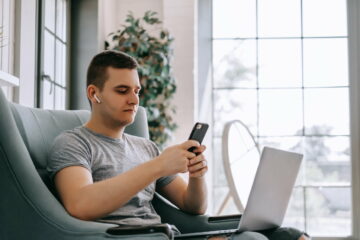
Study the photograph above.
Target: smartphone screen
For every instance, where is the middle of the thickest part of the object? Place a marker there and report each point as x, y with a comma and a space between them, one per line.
198, 133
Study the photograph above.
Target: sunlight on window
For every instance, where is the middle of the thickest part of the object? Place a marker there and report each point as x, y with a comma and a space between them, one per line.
231, 106
234, 63
280, 112
279, 18
327, 108
281, 67
280, 63
325, 62
324, 18
234, 18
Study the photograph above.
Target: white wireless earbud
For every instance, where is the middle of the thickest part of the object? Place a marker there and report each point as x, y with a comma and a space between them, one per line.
97, 99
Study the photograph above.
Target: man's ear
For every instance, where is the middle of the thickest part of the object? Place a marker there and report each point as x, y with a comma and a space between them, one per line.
91, 94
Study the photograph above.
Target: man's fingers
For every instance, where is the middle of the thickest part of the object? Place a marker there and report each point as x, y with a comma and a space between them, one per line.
196, 159
189, 155
198, 166
189, 143
200, 149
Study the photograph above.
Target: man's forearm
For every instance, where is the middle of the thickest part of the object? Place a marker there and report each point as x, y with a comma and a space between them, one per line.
101, 198
195, 197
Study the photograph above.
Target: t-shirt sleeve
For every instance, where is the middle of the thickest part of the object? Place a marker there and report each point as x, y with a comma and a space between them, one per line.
68, 150
163, 181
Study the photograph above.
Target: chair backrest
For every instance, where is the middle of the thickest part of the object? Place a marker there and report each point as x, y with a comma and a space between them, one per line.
38, 128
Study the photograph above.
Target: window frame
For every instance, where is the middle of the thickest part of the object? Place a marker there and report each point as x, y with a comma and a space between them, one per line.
8, 79
353, 21
353, 10
41, 77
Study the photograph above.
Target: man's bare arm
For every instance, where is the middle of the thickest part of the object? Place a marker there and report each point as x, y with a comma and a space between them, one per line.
190, 197
86, 200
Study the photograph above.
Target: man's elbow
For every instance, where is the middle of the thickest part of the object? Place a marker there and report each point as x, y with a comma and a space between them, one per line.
197, 211
201, 211
78, 211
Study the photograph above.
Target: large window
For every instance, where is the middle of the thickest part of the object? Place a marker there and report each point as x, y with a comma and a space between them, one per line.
53, 59
7, 32
281, 66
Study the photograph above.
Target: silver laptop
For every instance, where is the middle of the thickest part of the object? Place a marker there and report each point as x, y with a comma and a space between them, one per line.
270, 193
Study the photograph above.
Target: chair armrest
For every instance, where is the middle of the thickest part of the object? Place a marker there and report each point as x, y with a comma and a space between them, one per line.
129, 230
188, 223
234, 219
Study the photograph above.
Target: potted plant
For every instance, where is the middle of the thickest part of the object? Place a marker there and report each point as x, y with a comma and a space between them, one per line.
153, 54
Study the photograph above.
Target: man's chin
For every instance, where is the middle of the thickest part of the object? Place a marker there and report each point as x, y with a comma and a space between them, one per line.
126, 122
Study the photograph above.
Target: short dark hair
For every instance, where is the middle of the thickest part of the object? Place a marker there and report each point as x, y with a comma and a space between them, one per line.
97, 71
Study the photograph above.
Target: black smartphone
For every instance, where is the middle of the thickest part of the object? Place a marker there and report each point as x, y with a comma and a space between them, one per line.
198, 133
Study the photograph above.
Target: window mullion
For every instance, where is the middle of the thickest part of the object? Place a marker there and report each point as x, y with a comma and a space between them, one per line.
353, 9
55, 55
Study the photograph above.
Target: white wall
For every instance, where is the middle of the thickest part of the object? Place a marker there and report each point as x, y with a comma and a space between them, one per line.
179, 19
108, 11
25, 52
7, 21
112, 14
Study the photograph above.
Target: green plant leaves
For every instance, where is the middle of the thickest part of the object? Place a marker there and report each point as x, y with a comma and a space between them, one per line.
153, 54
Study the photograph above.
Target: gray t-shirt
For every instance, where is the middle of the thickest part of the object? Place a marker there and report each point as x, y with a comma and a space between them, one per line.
107, 157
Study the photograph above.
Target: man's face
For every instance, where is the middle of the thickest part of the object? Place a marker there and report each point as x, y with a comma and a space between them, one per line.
119, 96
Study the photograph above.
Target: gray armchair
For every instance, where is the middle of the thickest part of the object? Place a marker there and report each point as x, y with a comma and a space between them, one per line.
29, 208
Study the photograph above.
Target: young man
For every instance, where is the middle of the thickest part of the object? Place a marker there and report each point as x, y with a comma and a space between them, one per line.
103, 174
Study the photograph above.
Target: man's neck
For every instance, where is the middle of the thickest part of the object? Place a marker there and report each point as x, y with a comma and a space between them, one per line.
96, 125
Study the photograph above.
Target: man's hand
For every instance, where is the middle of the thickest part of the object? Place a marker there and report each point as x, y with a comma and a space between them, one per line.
198, 165
191, 197
175, 159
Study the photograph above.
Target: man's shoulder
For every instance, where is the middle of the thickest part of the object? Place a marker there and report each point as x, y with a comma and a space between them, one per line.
134, 138
70, 148
70, 133
70, 136
141, 141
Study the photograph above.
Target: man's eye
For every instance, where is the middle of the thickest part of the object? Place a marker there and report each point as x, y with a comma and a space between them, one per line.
122, 92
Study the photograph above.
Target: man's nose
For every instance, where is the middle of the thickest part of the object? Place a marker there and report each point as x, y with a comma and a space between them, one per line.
134, 99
